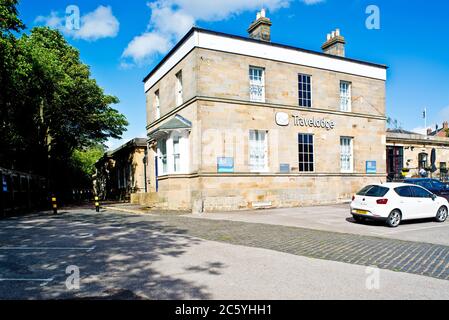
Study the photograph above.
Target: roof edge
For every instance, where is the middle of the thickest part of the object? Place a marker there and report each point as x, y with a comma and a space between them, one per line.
274, 44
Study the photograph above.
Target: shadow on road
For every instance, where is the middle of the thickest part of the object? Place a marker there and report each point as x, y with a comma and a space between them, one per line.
114, 254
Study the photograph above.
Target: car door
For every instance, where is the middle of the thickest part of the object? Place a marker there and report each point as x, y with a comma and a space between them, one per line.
425, 205
407, 202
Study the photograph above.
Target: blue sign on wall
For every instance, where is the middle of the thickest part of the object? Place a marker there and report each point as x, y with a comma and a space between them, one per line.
371, 167
5, 185
285, 168
225, 165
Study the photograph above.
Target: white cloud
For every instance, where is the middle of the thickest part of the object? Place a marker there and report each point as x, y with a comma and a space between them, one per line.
311, 2
171, 19
170, 22
98, 24
422, 130
145, 46
54, 20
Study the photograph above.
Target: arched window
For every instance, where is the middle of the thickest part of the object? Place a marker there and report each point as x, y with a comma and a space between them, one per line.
423, 160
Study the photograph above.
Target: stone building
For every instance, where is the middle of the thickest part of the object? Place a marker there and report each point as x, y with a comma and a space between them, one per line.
122, 171
237, 123
412, 151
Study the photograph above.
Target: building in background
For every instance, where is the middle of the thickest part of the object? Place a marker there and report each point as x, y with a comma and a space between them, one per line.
440, 132
122, 171
408, 152
237, 123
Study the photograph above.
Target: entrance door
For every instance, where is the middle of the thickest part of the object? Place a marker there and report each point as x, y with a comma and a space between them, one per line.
395, 162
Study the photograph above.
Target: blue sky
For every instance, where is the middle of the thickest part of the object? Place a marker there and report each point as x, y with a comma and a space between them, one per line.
123, 40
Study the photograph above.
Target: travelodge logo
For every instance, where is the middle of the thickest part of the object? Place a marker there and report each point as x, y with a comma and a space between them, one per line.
283, 119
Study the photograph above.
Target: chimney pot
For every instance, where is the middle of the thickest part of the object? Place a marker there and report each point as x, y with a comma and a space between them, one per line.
446, 125
261, 28
335, 44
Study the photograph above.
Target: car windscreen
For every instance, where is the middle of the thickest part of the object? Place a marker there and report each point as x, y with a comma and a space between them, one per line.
373, 191
438, 185
425, 184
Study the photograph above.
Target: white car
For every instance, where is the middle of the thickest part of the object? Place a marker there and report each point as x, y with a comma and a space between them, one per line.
395, 202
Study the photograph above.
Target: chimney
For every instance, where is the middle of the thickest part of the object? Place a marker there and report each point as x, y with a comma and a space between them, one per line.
445, 125
335, 44
429, 132
260, 29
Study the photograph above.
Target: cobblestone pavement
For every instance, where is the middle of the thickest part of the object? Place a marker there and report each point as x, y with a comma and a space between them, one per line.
401, 256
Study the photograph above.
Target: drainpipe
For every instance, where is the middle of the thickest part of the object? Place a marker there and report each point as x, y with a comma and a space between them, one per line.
145, 169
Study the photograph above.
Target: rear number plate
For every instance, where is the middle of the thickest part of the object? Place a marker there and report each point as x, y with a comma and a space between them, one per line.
360, 211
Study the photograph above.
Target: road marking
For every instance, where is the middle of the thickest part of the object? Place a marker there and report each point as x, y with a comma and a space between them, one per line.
48, 248
44, 281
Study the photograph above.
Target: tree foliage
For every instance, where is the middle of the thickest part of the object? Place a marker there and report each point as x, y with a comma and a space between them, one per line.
9, 20
49, 104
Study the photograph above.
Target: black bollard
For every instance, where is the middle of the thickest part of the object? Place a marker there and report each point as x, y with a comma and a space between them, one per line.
54, 203
97, 204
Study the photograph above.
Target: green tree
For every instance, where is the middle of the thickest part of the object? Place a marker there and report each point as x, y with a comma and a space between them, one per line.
9, 20
13, 69
82, 165
50, 106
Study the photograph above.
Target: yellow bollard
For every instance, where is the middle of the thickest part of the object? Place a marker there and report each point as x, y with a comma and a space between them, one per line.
54, 203
97, 204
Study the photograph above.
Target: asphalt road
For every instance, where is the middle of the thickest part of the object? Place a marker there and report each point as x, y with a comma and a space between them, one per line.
337, 218
121, 256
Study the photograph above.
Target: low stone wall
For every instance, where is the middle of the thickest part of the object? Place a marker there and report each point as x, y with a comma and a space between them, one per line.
234, 193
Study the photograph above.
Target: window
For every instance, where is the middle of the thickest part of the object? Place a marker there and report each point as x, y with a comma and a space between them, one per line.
373, 191
162, 154
258, 150
421, 193
157, 105
305, 90
345, 96
173, 153
346, 154
179, 98
404, 192
305, 148
422, 160
256, 84
176, 155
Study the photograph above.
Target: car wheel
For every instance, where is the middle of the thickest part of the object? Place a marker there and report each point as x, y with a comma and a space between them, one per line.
394, 219
442, 214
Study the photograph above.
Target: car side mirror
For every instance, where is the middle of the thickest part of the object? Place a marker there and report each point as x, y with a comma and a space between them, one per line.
434, 197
